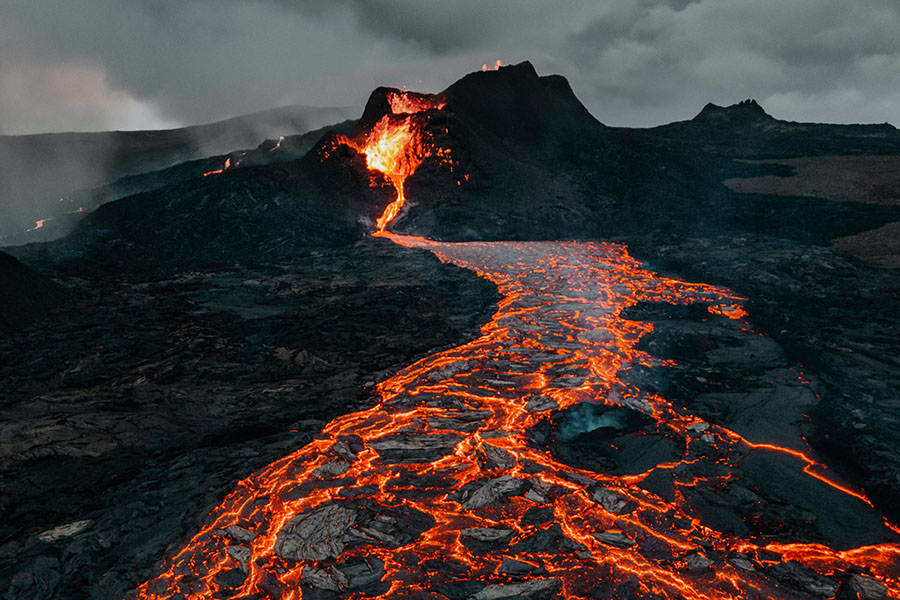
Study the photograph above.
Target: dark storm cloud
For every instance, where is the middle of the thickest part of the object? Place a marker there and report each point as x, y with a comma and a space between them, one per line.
130, 63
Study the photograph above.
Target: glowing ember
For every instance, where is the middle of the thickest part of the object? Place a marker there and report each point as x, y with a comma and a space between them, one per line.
41, 222
496, 66
441, 483
217, 171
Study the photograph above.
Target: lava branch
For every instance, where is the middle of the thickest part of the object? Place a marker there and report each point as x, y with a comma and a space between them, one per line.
442, 484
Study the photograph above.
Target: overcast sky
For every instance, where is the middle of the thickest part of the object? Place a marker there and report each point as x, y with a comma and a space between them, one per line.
129, 64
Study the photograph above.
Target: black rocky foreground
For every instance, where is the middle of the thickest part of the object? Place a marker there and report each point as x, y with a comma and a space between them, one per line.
133, 410
208, 299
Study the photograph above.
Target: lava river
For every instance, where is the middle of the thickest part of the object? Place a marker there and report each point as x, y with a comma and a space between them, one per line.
442, 491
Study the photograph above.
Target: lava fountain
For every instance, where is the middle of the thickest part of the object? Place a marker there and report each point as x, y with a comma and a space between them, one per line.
397, 145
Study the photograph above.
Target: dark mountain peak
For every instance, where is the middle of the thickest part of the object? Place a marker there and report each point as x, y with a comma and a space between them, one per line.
376, 107
511, 102
744, 112
522, 74
514, 101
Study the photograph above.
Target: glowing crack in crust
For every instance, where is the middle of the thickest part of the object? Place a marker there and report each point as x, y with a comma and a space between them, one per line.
437, 485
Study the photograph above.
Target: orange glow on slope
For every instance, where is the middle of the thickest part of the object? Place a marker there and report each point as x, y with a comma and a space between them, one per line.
217, 171
39, 224
558, 339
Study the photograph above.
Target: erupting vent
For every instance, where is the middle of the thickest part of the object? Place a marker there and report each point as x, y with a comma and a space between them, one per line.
408, 102
398, 144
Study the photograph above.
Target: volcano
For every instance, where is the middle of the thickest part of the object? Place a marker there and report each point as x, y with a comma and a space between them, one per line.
367, 365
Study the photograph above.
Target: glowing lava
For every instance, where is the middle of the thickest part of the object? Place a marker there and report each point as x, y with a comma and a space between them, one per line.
411, 102
223, 169
397, 145
442, 489
38, 224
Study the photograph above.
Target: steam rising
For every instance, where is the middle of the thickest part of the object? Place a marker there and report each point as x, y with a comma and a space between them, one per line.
585, 418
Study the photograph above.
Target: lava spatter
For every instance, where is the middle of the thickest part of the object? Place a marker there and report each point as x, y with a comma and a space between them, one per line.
443, 490
411, 102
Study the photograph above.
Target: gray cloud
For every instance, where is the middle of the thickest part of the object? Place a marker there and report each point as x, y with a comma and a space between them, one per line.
805, 55
130, 63
62, 96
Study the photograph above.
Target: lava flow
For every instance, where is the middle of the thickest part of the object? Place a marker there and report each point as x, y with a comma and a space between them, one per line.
224, 168
37, 225
445, 488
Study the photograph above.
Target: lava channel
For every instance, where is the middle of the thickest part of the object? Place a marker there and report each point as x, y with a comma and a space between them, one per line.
442, 491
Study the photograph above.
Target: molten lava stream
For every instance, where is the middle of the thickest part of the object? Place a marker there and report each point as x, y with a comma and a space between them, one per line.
224, 168
440, 490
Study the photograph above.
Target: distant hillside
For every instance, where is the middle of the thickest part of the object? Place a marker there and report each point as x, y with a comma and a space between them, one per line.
40, 169
746, 130
60, 218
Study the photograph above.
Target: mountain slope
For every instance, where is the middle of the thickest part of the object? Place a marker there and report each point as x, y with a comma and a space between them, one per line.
39, 169
62, 217
25, 295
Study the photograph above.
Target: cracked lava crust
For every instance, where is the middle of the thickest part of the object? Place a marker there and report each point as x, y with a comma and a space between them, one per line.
441, 491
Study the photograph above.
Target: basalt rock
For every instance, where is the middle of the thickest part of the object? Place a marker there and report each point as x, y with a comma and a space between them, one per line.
316, 535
